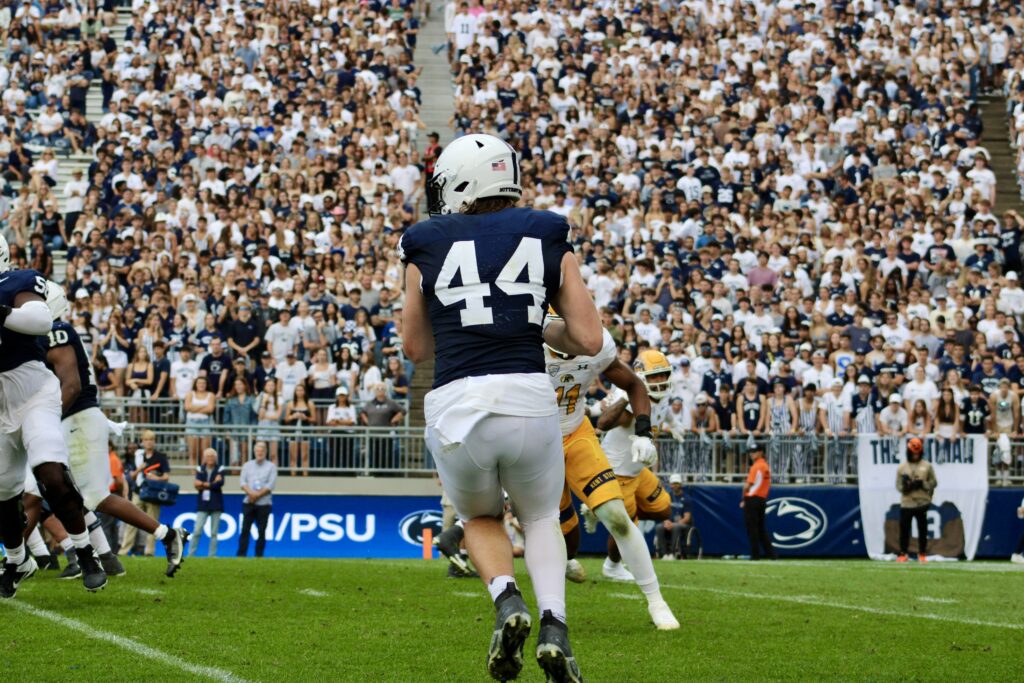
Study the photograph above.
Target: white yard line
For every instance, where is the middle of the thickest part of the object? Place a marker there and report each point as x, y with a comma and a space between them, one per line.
147, 591
467, 594
938, 601
816, 602
128, 644
858, 565
314, 593
625, 596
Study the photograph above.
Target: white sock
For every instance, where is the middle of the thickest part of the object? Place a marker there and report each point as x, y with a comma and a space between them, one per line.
498, 585
545, 560
79, 540
16, 555
96, 535
161, 532
610, 564
37, 545
66, 544
632, 546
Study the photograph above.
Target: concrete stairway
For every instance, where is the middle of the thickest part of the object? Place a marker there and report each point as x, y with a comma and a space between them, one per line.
94, 98
996, 140
435, 83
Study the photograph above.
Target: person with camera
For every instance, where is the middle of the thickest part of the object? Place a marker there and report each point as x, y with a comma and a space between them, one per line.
669, 534
915, 480
150, 465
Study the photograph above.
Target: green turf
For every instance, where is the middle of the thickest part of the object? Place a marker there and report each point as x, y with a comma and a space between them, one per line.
403, 621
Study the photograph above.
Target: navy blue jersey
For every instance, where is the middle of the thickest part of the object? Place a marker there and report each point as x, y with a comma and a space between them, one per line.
751, 412
487, 279
17, 349
64, 334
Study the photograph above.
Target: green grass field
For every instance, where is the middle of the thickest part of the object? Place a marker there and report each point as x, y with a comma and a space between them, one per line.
333, 620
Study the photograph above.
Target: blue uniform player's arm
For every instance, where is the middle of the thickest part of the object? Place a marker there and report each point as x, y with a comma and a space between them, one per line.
417, 332
28, 315
64, 361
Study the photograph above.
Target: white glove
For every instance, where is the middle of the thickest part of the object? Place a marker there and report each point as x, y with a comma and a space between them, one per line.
679, 436
643, 450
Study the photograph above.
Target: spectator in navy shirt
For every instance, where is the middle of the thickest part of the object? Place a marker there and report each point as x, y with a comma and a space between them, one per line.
209, 483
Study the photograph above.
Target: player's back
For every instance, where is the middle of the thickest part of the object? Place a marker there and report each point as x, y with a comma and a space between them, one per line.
17, 349
63, 334
487, 279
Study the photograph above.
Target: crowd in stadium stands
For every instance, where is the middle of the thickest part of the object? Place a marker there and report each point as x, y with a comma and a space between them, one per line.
251, 172
789, 199
790, 193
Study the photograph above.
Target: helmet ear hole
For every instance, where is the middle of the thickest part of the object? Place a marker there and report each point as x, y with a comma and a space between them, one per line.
461, 187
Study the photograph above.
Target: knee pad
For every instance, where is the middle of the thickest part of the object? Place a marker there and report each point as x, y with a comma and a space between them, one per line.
614, 516
58, 490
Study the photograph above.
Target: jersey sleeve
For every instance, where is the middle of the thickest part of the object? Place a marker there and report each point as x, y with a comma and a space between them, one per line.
609, 352
18, 281
62, 334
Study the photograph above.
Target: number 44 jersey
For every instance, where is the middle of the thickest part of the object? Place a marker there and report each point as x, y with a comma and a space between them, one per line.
487, 279
572, 377
17, 349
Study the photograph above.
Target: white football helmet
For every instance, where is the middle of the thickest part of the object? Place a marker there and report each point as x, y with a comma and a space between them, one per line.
57, 300
470, 168
5, 255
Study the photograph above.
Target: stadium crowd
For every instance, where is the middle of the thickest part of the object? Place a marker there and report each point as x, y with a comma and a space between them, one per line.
777, 195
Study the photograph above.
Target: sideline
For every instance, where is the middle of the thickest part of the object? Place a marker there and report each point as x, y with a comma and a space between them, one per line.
128, 644
815, 602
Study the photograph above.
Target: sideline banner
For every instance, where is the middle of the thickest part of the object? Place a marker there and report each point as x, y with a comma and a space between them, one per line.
323, 525
957, 513
804, 521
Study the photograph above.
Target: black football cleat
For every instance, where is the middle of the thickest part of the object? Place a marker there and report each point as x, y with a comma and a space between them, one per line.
449, 542
14, 574
93, 577
72, 570
511, 628
174, 544
111, 565
554, 653
456, 573
47, 561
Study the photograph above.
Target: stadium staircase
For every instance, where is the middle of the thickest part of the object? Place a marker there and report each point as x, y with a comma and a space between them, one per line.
438, 105
997, 141
66, 165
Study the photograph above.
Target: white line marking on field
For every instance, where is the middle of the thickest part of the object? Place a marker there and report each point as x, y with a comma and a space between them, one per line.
940, 601
314, 593
815, 602
857, 565
124, 643
147, 591
625, 596
467, 594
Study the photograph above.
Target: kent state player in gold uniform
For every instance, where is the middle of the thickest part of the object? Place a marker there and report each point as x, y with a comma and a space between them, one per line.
588, 473
644, 496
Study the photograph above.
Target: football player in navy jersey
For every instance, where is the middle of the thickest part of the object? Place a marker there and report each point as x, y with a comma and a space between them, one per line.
86, 433
30, 435
479, 275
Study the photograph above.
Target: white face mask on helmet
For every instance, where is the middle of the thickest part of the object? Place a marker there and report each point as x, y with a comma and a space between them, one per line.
5, 255
57, 300
473, 167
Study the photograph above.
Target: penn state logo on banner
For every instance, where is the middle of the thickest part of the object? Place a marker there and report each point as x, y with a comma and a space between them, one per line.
412, 525
795, 522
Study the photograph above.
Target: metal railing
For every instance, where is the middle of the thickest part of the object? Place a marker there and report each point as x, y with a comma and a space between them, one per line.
171, 411
401, 451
